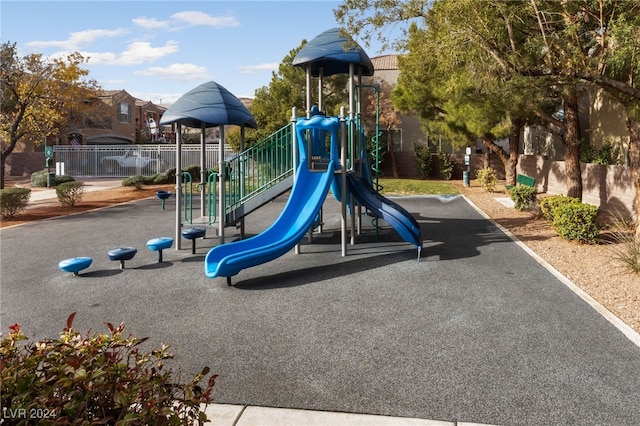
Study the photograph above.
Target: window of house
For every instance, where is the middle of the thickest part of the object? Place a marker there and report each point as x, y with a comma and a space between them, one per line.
124, 113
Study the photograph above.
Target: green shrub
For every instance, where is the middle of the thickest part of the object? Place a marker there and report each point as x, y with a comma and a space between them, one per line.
162, 178
39, 179
194, 171
576, 221
423, 158
69, 193
13, 201
606, 154
138, 181
446, 165
157, 179
488, 178
171, 174
523, 196
85, 379
549, 205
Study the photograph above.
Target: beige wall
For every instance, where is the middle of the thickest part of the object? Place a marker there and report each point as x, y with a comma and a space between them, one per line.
410, 124
602, 120
608, 187
607, 120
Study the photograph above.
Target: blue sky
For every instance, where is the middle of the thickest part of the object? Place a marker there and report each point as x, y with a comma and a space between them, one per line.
159, 50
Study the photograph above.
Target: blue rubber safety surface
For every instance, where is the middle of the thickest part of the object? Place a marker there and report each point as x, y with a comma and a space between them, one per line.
478, 331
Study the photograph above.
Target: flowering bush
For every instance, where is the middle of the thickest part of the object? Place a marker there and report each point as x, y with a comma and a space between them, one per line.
95, 379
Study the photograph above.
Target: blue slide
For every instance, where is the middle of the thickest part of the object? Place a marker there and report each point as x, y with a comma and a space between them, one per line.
309, 191
394, 214
302, 208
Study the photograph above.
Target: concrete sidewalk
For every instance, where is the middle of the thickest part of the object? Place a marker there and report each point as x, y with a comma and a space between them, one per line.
239, 415
46, 194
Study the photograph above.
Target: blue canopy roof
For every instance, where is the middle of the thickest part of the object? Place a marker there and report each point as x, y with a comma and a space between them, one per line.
333, 53
211, 104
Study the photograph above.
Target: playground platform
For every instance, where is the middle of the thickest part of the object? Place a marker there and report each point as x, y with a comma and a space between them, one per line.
477, 332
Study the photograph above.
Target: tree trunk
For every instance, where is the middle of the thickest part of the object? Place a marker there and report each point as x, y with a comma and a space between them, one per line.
392, 154
3, 159
490, 145
634, 165
510, 168
2, 173
571, 143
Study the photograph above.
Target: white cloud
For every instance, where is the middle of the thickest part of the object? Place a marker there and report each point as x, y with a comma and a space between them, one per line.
136, 53
142, 51
98, 58
150, 23
177, 72
194, 18
255, 69
77, 39
158, 98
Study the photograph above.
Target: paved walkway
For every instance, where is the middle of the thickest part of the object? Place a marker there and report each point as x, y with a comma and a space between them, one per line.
373, 338
46, 194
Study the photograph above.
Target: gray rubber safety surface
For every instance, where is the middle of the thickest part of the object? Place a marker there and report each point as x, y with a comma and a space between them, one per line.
477, 331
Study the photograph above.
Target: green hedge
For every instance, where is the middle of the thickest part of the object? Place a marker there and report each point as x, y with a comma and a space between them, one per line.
572, 219
39, 179
157, 179
69, 193
13, 201
523, 196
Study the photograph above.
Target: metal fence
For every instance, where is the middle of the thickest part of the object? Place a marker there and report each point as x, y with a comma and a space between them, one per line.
129, 160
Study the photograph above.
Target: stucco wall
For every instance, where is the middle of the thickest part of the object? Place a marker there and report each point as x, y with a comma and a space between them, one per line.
24, 163
608, 187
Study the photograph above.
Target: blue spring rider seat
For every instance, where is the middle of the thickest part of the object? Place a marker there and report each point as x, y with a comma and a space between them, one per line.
75, 264
159, 244
192, 234
122, 254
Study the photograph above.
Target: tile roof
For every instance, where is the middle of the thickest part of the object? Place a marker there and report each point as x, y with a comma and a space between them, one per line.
385, 62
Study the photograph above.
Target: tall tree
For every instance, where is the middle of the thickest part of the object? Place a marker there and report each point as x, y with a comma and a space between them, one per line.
38, 97
450, 87
557, 45
272, 104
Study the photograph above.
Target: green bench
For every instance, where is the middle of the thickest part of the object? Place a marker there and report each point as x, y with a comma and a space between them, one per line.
523, 180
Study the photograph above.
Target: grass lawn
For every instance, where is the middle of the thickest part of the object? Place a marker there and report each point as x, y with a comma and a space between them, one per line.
416, 187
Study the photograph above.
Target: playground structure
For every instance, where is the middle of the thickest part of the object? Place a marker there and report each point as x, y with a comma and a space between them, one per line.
344, 169
314, 154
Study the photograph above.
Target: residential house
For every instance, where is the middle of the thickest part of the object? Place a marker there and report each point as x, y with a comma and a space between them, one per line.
125, 120
409, 131
114, 117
